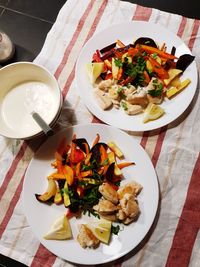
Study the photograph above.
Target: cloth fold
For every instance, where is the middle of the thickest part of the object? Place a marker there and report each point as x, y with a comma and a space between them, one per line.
174, 149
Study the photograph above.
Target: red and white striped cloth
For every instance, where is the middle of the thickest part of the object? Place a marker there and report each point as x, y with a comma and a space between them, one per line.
174, 240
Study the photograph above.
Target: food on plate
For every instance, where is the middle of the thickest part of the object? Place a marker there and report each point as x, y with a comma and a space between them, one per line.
91, 234
86, 238
60, 229
152, 112
135, 75
87, 180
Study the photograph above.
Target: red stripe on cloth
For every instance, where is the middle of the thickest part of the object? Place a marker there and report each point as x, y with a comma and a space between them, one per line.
142, 13
91, 32
158, 146
44, 258
12, 205
144, 139
194, 33
188, 225
12, 168
73, 40
182, 26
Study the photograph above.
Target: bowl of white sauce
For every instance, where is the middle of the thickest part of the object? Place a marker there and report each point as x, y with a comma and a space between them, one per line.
27, 87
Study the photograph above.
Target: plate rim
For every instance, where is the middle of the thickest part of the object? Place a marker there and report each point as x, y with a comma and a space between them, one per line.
157, 193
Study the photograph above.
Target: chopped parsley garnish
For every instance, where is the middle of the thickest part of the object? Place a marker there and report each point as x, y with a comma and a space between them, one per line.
91, 212
124, 105
115, 229
155, 93
118, 62
154, 55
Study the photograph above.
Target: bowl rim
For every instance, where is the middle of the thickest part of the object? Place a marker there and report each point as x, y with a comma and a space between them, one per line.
56, 115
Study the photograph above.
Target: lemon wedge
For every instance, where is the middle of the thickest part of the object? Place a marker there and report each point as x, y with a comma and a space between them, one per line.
94, 70
152, 112
59, 230
101, 230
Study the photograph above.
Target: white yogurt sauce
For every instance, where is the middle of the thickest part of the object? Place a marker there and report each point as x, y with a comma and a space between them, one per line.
24, 98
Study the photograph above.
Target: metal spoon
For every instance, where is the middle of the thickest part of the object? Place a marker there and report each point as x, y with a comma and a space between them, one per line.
43, 125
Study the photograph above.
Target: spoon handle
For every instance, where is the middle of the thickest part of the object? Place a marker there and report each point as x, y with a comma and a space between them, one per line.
43, 125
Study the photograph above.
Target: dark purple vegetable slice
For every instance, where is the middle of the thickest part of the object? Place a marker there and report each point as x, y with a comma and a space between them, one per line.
184, 61
107, 48
48, 201
146, 41
110, 172
96, 155
80, 142
108, 54
124, 49
173, 51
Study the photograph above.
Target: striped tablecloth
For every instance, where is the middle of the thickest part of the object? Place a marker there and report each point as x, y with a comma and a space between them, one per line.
174, 149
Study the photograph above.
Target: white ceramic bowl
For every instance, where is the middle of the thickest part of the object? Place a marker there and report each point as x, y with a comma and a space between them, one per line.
26, 87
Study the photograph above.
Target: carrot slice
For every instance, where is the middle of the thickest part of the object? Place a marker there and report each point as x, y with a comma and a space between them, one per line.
122, 165
152, 50
158, 69
96, 140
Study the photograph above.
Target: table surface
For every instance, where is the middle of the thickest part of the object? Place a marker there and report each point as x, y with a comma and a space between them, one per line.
189, 9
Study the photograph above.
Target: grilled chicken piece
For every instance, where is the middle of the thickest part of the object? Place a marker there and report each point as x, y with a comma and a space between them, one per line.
113, 94
132, 188
110, 217
138, 99
130, 207
102, 99
133, 109
105, 85
154, 85
108, 193
155, 100
86, 238
105, 207
130, 90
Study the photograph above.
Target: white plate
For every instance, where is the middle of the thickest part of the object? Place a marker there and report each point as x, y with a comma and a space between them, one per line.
40, 216
128, 32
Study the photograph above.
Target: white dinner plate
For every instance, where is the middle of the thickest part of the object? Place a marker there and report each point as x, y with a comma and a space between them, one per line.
128, 32
41, 216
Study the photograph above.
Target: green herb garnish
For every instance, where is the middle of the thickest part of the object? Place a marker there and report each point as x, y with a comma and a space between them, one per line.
115, 229
118, 62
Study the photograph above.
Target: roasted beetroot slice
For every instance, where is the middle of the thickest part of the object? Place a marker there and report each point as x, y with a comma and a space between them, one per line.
173, 51
95, 150
80, 142
107, 48
146, 41
184, 61
110, 172
108, 54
